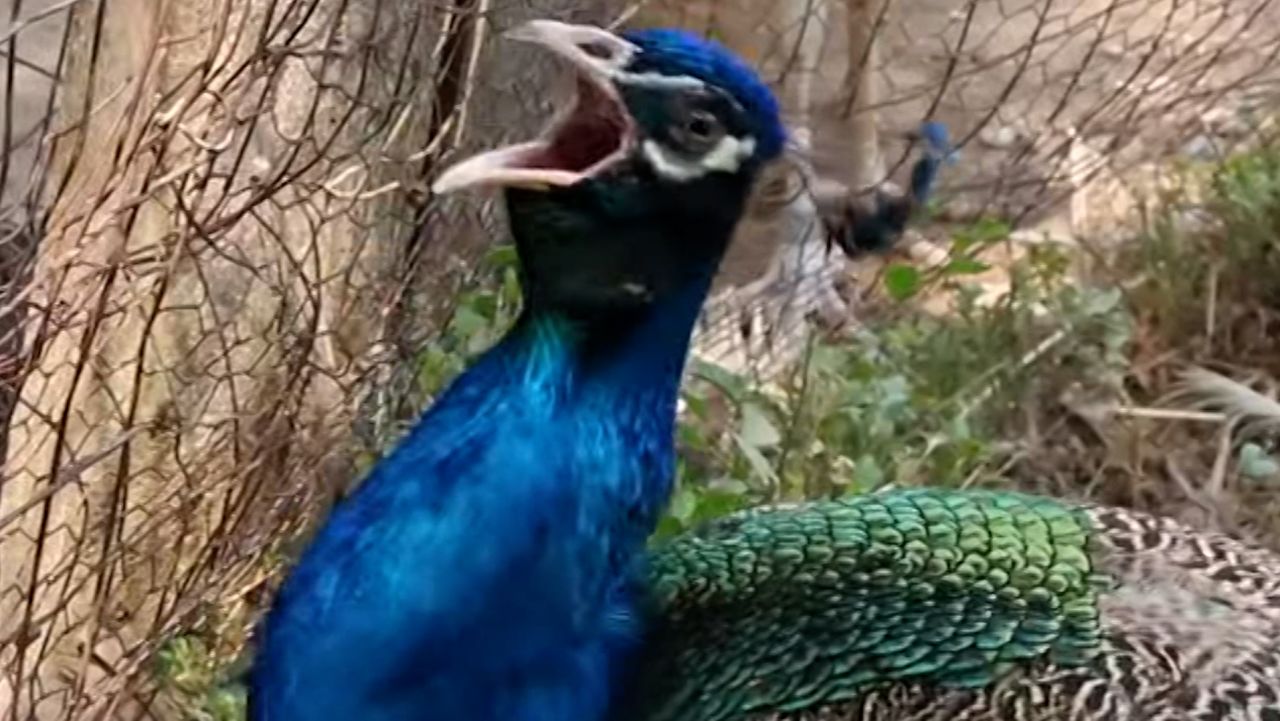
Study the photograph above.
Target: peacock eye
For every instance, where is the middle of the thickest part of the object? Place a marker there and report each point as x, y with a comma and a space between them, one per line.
701, 124
698, 130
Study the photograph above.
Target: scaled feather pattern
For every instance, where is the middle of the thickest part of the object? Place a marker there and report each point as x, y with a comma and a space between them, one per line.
940, 605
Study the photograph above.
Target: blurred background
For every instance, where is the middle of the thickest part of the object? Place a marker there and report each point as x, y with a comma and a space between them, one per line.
225, 287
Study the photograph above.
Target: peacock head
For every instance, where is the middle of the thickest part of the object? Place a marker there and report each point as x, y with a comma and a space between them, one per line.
632, 194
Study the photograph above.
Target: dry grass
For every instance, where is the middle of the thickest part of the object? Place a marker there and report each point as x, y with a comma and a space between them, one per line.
1189, 427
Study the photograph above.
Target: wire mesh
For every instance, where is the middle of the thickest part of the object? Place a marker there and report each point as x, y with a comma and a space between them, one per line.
219, 256
1065, 113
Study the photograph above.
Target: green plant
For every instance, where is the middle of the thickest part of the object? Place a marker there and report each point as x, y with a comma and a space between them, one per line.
1211, 255
916, 400
912, 399
199, 680
481, 314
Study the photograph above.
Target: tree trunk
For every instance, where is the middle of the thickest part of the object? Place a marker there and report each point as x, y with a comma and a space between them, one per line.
865, 18
236, 193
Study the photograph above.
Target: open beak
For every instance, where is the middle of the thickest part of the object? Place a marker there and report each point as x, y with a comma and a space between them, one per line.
595, 132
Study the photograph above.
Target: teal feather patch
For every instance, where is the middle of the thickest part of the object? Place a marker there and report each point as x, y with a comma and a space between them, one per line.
791, 608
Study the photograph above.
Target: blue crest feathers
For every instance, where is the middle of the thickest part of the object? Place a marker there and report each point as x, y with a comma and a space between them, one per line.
679, 52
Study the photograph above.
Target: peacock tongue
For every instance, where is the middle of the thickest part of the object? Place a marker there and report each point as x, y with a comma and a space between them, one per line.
594, 134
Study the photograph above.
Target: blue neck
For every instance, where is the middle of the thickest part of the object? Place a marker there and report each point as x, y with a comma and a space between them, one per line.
614, 375
643, 353
923, 175
481, 571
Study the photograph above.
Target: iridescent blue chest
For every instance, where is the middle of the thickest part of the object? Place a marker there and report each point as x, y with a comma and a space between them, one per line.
480, 571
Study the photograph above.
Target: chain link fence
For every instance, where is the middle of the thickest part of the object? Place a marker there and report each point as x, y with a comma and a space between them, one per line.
219, 257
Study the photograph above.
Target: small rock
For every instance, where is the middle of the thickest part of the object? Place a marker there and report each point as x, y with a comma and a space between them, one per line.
1041, 236
1194, 220
1236, 121
1215, 116
1002, 137
1201, 147
960, 210
1112, 51
802, 136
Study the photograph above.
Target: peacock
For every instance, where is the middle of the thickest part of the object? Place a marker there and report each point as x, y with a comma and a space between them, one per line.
483, 570
497, 563
872, 222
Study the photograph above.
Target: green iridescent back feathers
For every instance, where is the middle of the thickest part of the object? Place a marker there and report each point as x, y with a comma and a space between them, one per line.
785, 609
935, 604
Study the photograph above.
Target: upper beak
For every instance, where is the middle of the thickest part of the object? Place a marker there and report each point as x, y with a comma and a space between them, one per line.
598, 55
591, 49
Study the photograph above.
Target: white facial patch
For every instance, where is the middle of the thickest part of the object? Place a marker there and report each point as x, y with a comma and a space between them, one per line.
727, 156
658, 81
634, 289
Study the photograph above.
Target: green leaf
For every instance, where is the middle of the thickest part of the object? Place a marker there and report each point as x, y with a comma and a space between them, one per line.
1101, 302
695, 404
731, 486
501, 256
965, 266
894, 391
867, 474
960, 429
467, 322
510, 293
683, 504
1257, 464
226, 703
691, 437
667, 528
760, 465
757, 430
983, 232
901, 281
723, 379
714, 503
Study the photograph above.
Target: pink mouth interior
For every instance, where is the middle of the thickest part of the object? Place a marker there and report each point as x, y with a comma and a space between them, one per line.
597, 129
595, 134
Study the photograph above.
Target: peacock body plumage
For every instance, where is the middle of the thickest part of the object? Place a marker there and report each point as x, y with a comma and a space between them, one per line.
481, 571
474, 572
930, 604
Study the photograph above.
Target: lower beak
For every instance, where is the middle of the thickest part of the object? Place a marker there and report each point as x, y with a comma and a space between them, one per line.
594, 133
